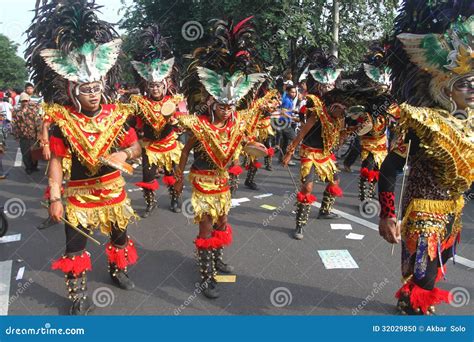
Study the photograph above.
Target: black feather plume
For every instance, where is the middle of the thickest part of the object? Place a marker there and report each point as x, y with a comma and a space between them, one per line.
64, 25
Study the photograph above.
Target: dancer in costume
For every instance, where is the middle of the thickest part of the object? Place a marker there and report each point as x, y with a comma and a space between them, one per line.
220, 75
261, 133
72, 66
433, 77
319, 135
372, 116
156, 75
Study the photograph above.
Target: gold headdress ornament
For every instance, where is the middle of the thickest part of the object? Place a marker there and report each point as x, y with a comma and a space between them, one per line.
446, 57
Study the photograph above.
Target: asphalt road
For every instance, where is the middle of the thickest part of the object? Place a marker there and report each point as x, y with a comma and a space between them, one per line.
275, 274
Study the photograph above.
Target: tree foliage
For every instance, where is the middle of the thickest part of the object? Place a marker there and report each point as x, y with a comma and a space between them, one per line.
286, 28
13, 72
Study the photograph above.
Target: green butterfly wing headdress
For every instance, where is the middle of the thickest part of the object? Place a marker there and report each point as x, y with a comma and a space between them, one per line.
445, 54
447, 57
88, 63
156, 70
228, 89
325, 75
380, 75
322, 67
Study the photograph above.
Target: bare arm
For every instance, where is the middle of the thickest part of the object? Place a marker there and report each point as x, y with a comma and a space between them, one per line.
45, 139
185, 154
131, 152
55, 176
182, 163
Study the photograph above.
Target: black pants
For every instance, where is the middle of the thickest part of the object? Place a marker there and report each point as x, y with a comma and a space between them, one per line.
25, 147
369, 163
287, 136
76, 243
149, 171
354, 153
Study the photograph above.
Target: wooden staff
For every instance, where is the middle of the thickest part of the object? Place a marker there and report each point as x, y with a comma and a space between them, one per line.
405, 173
74, 227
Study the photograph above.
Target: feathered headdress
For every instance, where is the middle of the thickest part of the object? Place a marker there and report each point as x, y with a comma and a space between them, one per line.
375, 66
322, 67
67, 45
431, 50
227, 69
153, 58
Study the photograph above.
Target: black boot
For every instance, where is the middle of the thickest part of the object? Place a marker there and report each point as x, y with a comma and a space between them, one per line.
302, 216
120, 277
404, 307
220, 265
326, 207
268, 164
150, 201
175, 205
233, 183
208, 272
250, 180
371, 193
46, 223
362, 189
77, 293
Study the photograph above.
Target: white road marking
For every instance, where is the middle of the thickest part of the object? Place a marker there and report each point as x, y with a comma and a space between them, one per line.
10, 238
262, 196
5, 276
18, 158
463, 261
459, 259
20, 273
352, 218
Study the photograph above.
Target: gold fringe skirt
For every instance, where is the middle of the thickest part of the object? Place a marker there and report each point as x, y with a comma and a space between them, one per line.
99, 202
375, 145
429, 218
323, 164
264, 130
164, 153
210, 194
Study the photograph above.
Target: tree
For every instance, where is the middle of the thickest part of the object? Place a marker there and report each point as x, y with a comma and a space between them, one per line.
286, 29
13, 72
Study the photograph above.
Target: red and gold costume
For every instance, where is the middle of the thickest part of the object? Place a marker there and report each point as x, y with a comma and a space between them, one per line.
215, 151
216, 82
373, 152
161, 148
319, 136
73, 67
436, 143
95, 195
260, 131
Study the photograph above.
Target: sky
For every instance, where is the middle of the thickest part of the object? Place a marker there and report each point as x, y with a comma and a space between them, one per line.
17, 16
